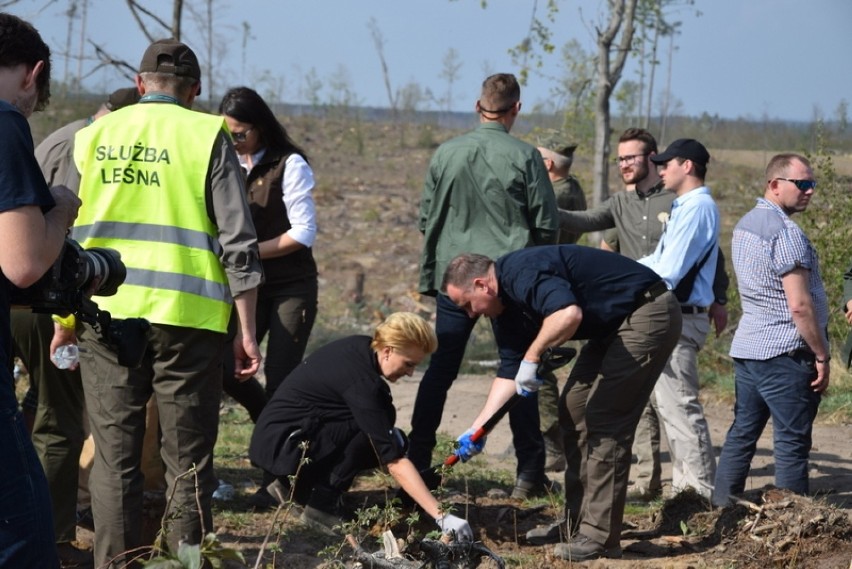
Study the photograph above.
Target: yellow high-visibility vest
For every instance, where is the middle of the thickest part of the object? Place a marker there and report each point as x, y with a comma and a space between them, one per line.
143, 176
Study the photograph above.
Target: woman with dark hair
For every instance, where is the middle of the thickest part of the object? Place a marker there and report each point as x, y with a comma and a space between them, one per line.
279, 182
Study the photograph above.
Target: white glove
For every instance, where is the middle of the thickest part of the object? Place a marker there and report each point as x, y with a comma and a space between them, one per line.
451, 524
527, 381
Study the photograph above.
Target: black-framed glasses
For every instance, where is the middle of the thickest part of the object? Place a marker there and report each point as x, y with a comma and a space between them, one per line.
241, 136
801, 185
629, 159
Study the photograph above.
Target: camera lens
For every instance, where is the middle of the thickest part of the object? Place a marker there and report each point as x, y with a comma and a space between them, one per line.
106, 266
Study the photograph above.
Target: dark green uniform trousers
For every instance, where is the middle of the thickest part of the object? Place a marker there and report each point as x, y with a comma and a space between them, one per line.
58, 432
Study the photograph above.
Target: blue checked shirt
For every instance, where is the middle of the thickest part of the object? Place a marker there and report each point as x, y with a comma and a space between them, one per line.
767, 245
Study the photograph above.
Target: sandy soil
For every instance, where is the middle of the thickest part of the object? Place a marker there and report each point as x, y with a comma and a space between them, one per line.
831, 478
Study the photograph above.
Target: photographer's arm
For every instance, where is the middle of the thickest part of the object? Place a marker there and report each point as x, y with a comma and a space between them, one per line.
32, 240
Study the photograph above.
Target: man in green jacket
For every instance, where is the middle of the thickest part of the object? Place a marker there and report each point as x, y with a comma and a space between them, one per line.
485, 192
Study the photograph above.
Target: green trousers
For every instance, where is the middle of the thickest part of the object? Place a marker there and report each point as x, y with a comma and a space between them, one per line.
58, 432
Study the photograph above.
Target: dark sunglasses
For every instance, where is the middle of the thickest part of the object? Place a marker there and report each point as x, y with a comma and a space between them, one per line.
801, 185
241, 136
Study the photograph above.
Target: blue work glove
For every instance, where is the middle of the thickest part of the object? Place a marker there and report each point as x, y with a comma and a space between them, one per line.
527, 380
467, 448
454, 525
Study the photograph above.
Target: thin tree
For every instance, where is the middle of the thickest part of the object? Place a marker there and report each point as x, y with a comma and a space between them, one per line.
450, 73
379, 43
160, 25
83, 21
614, 44
71, 14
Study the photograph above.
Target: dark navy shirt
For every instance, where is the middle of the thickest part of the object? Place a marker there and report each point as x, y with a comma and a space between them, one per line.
21, 184
536, 282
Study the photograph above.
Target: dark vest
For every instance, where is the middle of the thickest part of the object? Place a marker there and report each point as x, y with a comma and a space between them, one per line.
265, 197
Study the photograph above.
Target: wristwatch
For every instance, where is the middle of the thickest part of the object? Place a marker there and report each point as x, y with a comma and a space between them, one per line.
825, 361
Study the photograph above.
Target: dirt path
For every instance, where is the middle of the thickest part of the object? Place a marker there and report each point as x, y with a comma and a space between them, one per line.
831, 457
831, 474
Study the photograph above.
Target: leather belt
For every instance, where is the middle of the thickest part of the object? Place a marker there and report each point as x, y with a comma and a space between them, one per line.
655, 291
689, 309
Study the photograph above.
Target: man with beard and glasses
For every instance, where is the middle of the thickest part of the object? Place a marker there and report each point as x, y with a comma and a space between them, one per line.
637, 218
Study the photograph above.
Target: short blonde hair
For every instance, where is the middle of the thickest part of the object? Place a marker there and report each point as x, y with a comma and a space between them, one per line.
405, 329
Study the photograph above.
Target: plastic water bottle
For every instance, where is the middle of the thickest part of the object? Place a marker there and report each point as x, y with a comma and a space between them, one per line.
66, 356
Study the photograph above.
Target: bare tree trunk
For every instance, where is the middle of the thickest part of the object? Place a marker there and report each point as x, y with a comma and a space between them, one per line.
210, 41
668, 93
83, 19
653, 64
641, 103
177, 10
379, 43
72, 14
244, 49
609, 73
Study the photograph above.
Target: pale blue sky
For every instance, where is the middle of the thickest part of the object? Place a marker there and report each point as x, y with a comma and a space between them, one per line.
740, 58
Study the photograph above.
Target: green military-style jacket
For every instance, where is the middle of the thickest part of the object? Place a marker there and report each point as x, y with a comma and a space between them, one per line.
485, 192
570, 197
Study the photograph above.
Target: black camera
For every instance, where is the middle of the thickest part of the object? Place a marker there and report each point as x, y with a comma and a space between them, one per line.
63, 287
66, 287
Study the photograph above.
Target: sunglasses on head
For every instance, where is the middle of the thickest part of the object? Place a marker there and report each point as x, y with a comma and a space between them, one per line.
801, 185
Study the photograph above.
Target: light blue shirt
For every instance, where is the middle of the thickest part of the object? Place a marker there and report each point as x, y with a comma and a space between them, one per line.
691, 231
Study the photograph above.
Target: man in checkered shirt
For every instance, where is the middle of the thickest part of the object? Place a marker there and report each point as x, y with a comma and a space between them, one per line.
780, 349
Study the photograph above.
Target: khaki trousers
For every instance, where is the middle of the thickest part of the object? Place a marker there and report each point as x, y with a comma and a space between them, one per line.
687, 432
601, 404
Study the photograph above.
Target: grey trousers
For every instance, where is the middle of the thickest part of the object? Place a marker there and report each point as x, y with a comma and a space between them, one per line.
648, 472
600, 407
687, 432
